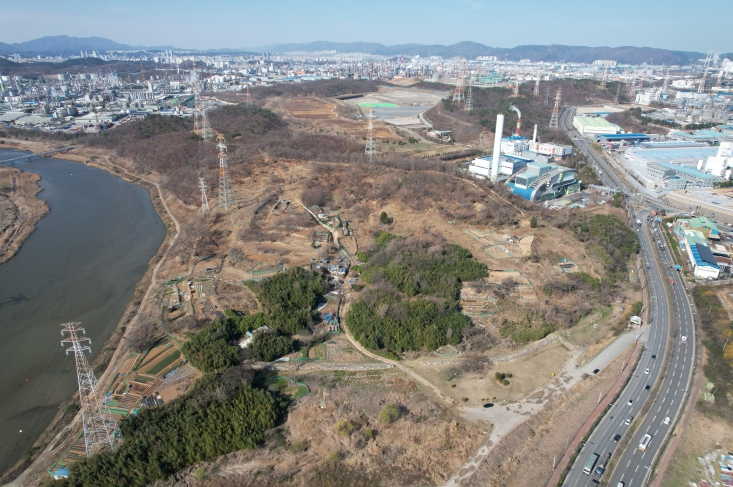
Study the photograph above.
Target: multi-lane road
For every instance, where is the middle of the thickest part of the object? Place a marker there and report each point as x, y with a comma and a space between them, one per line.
670, 320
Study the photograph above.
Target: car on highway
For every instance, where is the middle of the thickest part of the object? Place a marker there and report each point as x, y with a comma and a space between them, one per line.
616, 438
646, 371
654, 356
647, 387
666, 420
684, 339
596, 371
489, 405
620, 484
628, 420
631, 401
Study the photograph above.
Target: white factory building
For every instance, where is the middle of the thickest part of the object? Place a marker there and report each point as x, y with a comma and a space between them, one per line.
594, 126
720, 164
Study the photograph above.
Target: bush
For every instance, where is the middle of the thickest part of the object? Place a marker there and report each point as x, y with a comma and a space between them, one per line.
383, 218
533, 222
389, 414
345, 427
199, 473
636, 308
299, 446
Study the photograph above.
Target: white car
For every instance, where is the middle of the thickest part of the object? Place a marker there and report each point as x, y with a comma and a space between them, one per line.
631, 401
684, 338
667, 420
646, 371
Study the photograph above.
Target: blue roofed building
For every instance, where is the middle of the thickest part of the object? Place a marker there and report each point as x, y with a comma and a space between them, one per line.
541, 181
701, 257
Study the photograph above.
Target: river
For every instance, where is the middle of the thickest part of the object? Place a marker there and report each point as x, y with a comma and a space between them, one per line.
81, 264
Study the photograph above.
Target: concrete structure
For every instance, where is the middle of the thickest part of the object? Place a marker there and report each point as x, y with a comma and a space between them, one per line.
516, 144
594, 125
551, 150
508, 164
721, 163
497, 147
542, 181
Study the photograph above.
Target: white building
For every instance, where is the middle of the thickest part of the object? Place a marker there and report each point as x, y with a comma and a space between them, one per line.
551, 150
594, 125
721, 164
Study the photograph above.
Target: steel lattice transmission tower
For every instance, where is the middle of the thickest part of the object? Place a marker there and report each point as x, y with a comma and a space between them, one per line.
100, 427
703, 80
515, 91
200, 120
605, 72
536, 91
204, 199
618, 92
370, 150
458, 93
469, 96
556, 110
247, 97
226, 193
547, 97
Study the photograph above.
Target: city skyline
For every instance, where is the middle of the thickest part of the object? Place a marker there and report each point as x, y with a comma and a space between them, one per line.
227, 24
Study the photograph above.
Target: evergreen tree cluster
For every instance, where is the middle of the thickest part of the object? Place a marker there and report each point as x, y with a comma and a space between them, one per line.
219, 415
287, 301
412, 302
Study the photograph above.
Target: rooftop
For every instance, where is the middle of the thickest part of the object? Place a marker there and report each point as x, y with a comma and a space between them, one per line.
690, 171
595, 122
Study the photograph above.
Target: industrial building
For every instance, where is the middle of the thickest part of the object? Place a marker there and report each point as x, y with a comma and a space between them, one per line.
508, 165
694, 177
693, 235
682, 155
544, 181
594, 125
618, 138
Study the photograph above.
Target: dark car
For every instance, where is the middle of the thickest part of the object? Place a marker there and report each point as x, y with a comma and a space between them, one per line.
654, 356
489, 405
616, 438
596, 371
647, 387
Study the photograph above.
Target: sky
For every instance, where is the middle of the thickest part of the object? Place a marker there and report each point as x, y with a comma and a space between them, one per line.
213, 24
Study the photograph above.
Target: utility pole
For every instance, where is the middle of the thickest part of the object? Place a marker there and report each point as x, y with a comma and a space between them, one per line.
204, 199
370, 150
100, 427
226, 193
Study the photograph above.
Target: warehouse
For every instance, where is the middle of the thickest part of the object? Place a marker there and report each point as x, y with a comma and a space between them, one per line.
616, 138
682, 155
693, 176
594, 125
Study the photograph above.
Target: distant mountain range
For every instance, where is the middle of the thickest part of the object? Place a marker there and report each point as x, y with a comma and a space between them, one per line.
70, 45
469, 50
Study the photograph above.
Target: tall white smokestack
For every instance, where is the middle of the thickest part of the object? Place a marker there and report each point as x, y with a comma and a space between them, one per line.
534, 136
497, 148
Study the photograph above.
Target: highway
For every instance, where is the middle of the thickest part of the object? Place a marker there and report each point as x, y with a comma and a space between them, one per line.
670, 319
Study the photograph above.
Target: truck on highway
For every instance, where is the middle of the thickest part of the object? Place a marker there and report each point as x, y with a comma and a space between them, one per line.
645, 442
671, 281
590, 464
604, 463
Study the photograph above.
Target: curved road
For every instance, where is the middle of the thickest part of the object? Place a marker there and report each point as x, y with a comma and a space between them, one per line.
671, 315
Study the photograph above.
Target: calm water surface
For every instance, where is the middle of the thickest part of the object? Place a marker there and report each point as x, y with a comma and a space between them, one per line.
81, 264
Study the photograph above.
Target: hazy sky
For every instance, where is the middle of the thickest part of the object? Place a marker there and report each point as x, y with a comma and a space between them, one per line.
672, 24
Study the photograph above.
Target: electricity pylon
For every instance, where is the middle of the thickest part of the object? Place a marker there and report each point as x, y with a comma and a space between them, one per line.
603, 81
370, 150
204, 199
556, 110
200, 120
469, 96
226, 193
100, 427
458, 93
536, 91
